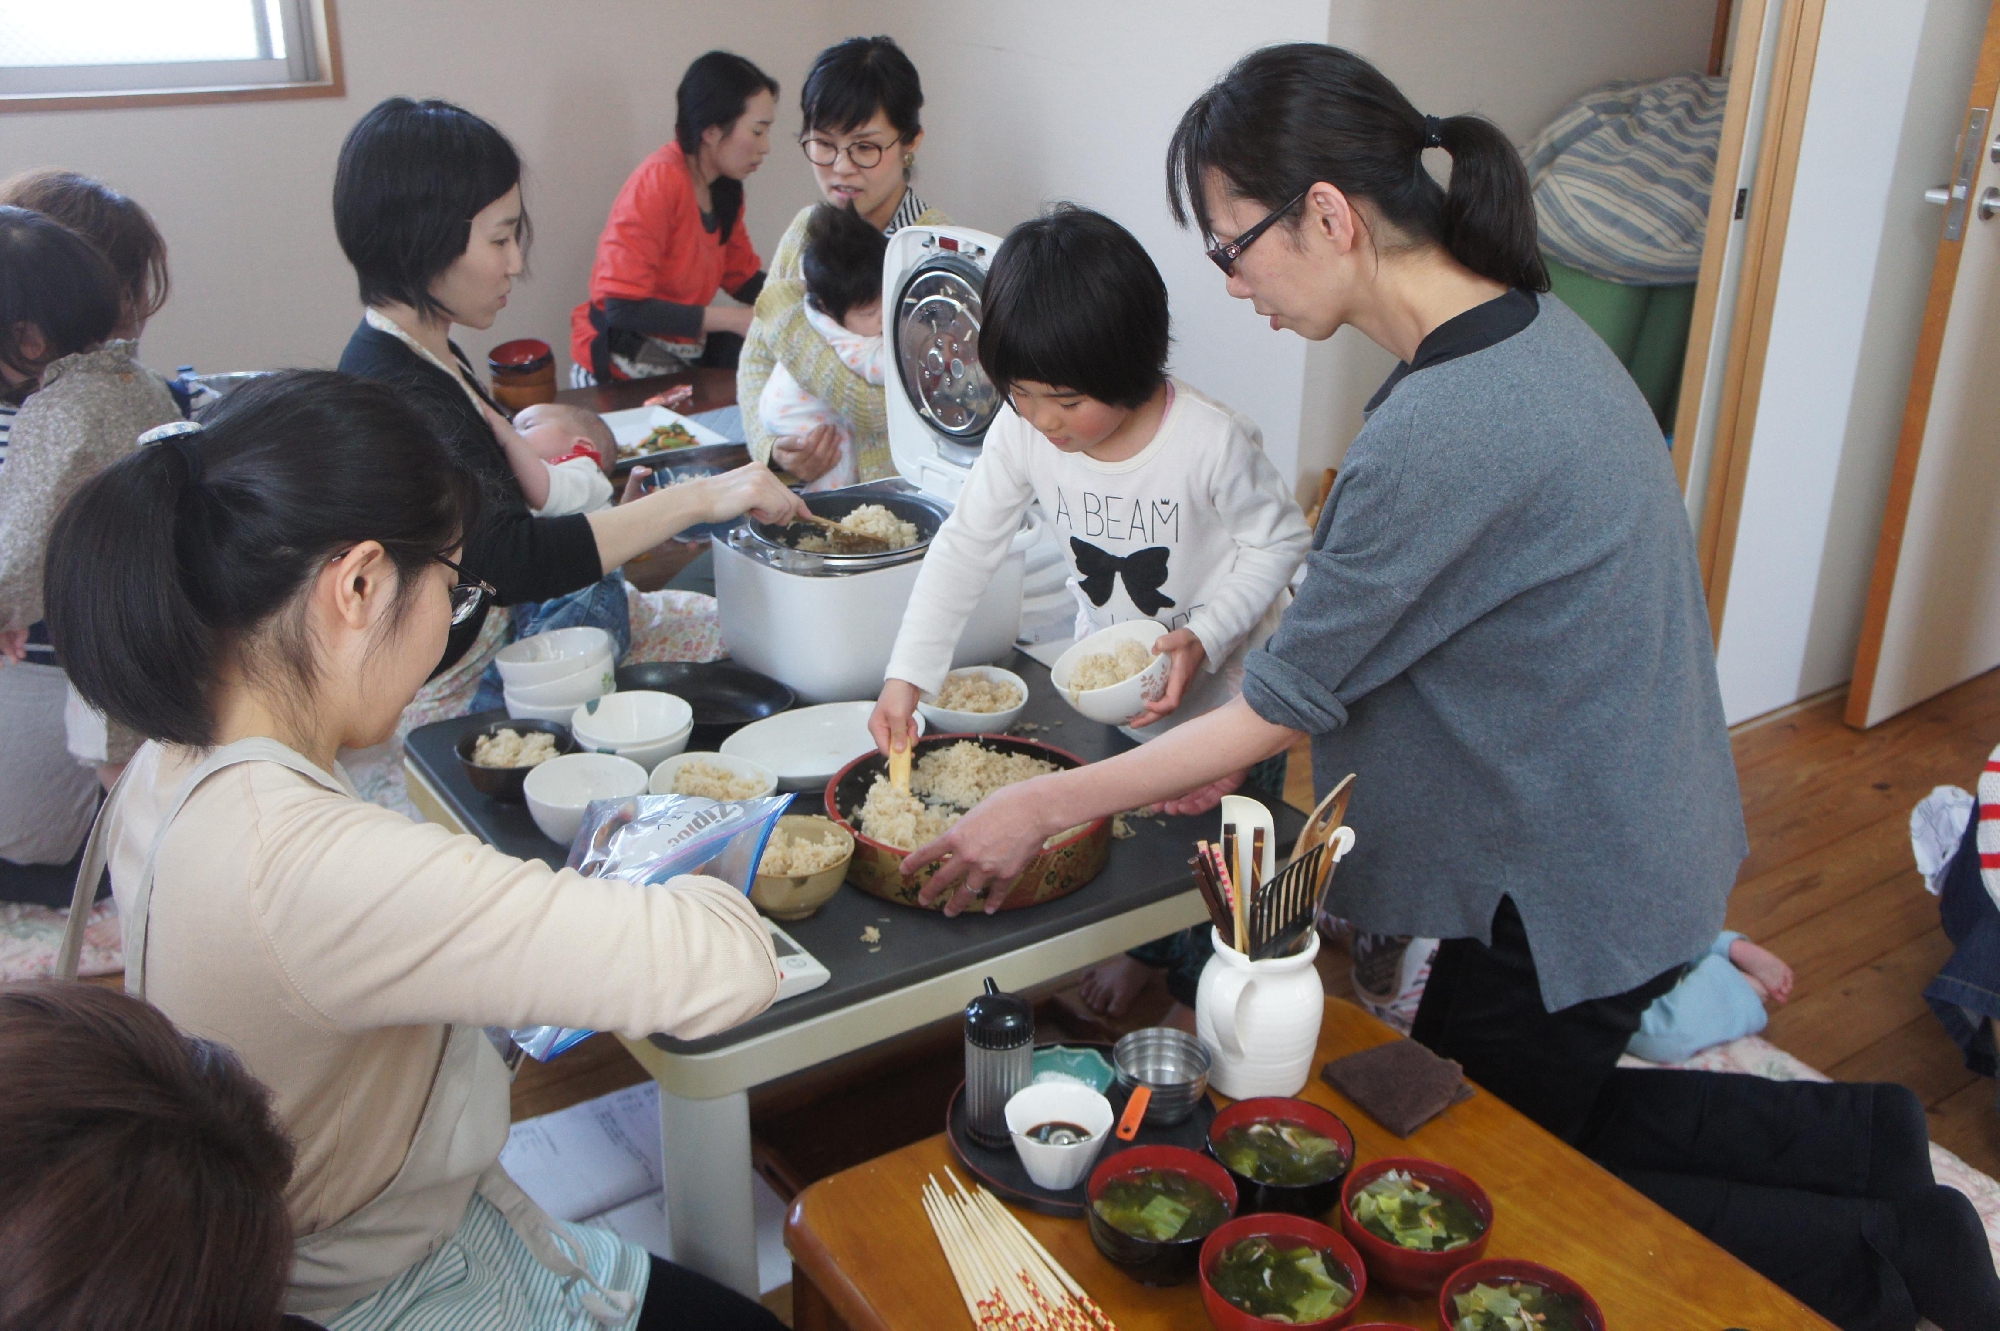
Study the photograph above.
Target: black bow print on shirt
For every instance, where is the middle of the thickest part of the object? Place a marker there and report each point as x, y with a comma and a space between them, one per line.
1145, 572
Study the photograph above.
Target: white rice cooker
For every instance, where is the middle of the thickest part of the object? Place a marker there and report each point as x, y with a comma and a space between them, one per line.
825, 624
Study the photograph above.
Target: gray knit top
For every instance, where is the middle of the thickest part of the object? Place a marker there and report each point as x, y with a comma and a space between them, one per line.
1502, 632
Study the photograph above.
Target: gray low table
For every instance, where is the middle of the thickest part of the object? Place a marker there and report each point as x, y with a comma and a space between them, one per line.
925, 967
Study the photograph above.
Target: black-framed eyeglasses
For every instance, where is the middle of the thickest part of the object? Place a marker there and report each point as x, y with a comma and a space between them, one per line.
466, 593
1225, 256
864, 153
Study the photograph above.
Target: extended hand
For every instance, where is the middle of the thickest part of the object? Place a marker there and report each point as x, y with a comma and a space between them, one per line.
892, 715
750, 489
811, 456
986, 850
1185, 655
13, 645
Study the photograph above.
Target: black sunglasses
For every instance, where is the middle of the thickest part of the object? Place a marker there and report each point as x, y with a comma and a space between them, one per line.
1225, 256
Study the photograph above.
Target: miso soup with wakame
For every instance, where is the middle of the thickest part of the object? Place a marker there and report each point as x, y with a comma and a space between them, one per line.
1289, 1155
1161, 1206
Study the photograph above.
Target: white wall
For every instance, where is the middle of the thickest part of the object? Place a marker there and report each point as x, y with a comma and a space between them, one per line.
243, 191
1517, 62
1041, 100
1888, 93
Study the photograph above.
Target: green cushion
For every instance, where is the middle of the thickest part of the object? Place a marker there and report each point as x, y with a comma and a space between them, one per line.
1645, 327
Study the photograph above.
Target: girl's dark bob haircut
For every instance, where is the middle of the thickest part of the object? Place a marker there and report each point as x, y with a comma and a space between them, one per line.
107, 219
56, 282
1073, 300
715, 91
216, 532
852, 80
1287, 117
412, 176
842, 260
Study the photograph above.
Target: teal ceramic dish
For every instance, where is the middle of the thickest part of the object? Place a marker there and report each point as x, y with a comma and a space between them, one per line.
1087, 1067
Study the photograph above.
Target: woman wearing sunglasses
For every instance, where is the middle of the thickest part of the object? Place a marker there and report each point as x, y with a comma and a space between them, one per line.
286, 578
1501, 629
860, 105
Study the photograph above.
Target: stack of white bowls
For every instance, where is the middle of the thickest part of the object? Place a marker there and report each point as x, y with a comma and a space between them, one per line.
545, 678
638, 724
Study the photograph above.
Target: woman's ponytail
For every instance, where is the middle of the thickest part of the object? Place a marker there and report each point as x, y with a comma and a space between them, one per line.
1288, 116
186, 560
1489, 208
131, 641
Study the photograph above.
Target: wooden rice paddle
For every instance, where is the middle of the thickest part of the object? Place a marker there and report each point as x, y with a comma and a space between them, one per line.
899, 765
1326, 819
846, 540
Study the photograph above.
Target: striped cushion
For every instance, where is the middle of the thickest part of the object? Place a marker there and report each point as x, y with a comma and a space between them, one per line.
1623, 177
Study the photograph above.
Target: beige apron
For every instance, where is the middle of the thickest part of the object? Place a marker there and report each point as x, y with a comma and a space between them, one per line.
454, 1154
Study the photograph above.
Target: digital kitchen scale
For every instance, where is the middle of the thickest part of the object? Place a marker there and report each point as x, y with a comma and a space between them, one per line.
799, 971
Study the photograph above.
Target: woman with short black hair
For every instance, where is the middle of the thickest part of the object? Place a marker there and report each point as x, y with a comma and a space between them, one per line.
676, 236
427, 205
288, 570
860, 103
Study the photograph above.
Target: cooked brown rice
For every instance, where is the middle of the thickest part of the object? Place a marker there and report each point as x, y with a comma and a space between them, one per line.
508, 747
877, 521
951, 780
1100, 670
716, 783
970, 692
791, 856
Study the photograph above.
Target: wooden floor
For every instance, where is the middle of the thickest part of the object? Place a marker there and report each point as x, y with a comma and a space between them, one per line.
1829, 885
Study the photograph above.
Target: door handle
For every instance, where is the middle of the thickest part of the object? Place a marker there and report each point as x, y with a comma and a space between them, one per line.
1989, 203
1957, 199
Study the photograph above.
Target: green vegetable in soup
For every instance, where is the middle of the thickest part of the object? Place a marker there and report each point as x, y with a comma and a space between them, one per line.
1267, 1278
1412, 1214
1162, 1205
1516, 1305
1271, 1151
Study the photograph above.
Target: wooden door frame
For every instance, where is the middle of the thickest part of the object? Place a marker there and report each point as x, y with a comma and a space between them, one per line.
1917, 409
1770, 207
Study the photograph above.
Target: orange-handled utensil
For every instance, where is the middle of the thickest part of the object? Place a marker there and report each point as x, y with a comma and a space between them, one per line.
1135, 1110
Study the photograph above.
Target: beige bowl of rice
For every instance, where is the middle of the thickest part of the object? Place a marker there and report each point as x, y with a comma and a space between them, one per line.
716, 776
803, 865
977, 700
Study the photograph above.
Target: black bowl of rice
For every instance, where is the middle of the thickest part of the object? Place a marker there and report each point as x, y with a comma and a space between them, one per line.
498, 756
949, 774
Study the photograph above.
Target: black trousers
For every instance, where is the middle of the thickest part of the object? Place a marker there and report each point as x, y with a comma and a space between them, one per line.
1825, 1189
678, 1299
1483, 1007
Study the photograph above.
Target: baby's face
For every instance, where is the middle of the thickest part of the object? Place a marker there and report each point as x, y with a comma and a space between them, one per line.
545, 432
864, 320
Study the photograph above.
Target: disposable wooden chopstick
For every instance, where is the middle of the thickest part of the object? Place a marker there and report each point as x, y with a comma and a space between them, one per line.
1007, 1279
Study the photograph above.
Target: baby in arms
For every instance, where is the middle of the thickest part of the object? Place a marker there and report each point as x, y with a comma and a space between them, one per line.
563, 459
842, 262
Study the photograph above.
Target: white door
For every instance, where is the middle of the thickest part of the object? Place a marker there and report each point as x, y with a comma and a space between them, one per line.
1933, 617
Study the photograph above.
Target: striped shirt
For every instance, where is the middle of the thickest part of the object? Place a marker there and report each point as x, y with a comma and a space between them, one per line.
7, 410
907, 212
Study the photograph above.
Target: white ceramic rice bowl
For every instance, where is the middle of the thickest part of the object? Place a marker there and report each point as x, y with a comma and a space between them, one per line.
945, 721
560, 790
662, 782
550, 656
593, 678
1118, 703
527, 711
619, 721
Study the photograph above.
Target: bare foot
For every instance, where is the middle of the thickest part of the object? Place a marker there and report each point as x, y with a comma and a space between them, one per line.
1109, 987
1766, 969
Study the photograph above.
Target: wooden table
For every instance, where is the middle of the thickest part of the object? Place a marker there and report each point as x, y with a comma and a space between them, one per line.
712, 389
864, 1257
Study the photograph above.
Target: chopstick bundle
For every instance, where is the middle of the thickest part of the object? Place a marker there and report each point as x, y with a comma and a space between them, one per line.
1212, 893
1007, 1278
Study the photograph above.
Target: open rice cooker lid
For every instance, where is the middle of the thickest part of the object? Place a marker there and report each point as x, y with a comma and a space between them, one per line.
939, 401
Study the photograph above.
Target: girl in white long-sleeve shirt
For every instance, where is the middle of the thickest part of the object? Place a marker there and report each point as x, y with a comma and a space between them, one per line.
1166, 506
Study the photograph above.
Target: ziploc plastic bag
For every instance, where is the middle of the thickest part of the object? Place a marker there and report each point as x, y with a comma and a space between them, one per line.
651, 838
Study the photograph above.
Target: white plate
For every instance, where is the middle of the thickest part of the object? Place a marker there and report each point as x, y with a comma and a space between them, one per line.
805, 747
630, 427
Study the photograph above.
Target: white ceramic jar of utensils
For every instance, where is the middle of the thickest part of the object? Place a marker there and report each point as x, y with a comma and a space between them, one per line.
1259, 1019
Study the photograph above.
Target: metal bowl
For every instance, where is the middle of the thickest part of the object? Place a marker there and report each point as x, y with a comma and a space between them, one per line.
773, 542
1173, 1063
877, 869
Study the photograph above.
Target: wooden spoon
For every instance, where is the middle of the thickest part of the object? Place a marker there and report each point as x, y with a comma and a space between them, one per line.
1325, 820
856, 542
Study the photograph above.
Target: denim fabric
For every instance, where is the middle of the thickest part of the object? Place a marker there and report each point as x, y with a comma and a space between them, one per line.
600, 605
1966, 993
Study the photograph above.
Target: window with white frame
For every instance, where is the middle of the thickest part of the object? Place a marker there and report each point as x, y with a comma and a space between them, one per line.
94, 47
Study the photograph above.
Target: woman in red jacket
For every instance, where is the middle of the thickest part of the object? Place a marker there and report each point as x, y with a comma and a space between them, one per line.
676, 236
